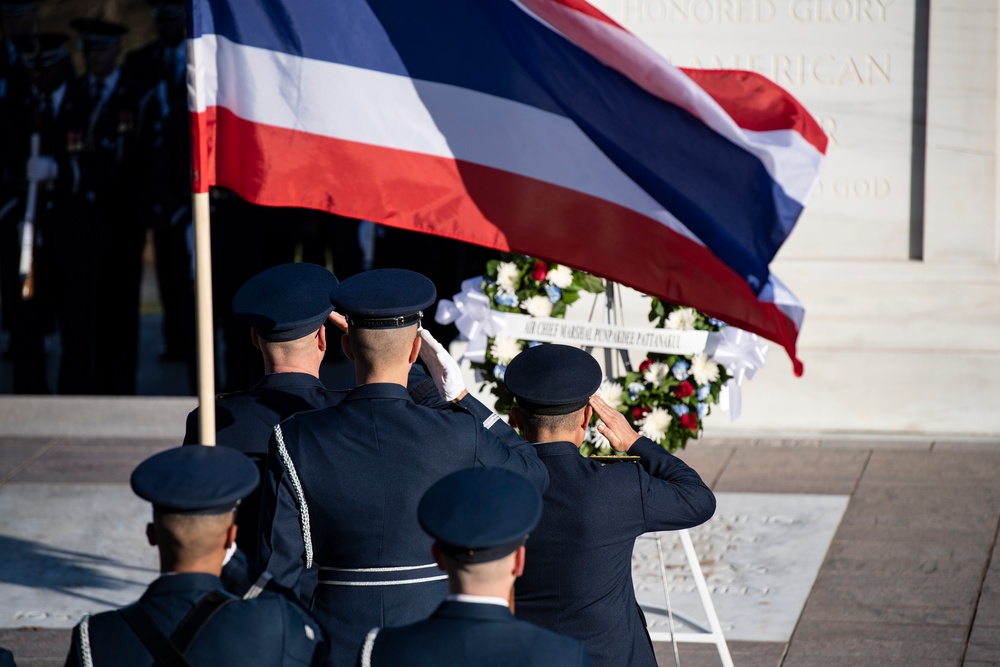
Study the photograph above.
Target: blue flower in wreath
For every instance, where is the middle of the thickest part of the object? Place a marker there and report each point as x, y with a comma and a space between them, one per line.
716, 323
702, 410
681, 369
505, 298
554, 292
498, 371
704, 391
634, 389
679, 409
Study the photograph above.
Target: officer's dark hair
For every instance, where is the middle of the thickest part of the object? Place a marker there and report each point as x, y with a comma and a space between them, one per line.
195, 534
378, 346
535, 423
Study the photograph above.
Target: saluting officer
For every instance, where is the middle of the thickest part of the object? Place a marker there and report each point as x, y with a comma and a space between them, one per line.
285, 308
479, 519
343, 483
186, 616
109, 101
578, 580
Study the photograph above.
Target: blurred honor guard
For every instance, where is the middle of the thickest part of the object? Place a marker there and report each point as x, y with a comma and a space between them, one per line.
185, 616
479, 519
343, 483
109, 102
164, 171
58, 247
578, 580
285, 308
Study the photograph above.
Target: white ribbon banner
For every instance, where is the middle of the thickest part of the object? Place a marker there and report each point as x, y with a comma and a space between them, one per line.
589, 334
742, 353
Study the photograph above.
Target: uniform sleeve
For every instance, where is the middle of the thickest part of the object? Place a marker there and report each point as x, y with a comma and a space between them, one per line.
673, 494
304, 642
191, 434
513, 454
283, 522
73, 657
422, 389
491, 421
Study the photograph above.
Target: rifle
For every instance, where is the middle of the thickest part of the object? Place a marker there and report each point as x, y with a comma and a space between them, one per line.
27, 265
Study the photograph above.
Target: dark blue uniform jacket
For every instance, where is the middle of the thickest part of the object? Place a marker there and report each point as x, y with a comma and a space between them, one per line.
468, 634
268, 630
245, 421
578, 574
341, 494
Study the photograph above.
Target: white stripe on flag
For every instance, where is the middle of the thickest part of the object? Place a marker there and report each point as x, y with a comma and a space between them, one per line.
375, 108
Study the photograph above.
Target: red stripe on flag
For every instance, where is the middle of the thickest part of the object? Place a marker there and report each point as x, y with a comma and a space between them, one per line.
481, 205
758, 104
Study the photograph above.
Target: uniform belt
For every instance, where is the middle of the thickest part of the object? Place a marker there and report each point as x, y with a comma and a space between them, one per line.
380, 576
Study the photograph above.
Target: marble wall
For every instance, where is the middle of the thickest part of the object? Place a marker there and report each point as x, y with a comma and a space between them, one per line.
896, 255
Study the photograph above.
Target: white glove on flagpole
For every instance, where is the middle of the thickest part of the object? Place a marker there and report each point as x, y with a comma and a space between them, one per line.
444, 370
41, 168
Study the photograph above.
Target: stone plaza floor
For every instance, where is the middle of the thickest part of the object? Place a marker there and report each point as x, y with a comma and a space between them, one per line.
901, 532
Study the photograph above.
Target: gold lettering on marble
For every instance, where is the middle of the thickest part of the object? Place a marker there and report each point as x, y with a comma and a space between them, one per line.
800, 70
699, 11
839, 11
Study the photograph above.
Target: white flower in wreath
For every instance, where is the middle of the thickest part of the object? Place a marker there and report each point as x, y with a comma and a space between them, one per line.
682, 319
537, 306
611, 392
505, 348
560, 276
655, 424
507, 276
655, 373
594, 436
704, 369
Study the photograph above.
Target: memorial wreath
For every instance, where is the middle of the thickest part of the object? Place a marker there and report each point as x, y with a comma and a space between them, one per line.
666, 399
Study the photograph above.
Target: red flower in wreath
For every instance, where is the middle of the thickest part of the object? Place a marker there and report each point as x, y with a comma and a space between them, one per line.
539, 271
644, 366
639, 413
683, 390
690, 421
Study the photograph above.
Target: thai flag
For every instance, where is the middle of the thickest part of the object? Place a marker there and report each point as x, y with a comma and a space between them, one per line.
535, 126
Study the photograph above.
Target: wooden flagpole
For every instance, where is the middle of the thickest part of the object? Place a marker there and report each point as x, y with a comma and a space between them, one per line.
206, 331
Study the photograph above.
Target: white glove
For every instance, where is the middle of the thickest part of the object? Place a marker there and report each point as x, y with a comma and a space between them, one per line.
229, 554
444, 370
42, 168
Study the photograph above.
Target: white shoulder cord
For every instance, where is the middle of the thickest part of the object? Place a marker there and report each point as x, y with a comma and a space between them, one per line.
299, 494
366, 652
86, 659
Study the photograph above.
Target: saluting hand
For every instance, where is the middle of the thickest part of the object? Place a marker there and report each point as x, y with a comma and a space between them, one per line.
338, 320
444, 370
613, 425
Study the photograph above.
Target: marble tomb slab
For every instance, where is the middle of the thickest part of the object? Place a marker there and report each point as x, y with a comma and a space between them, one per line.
760, 555
71, 549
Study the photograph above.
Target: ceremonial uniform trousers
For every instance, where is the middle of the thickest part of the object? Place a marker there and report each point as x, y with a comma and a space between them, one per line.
472, 634
578, 577
245, 421
341, 494
267, 630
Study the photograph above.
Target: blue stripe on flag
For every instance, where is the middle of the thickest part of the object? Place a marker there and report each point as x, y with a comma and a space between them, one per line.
720, 192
